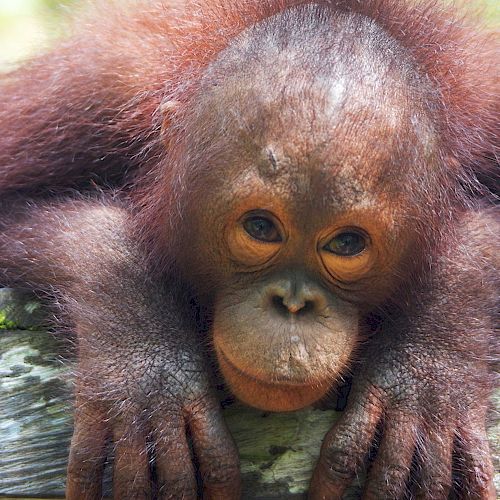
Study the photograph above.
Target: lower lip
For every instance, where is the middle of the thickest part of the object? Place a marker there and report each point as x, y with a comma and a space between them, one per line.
270, 396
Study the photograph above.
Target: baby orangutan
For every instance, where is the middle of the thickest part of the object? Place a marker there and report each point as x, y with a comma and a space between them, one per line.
292, 169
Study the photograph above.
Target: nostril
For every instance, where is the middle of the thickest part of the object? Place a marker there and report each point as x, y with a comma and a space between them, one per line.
308, 307
279, 305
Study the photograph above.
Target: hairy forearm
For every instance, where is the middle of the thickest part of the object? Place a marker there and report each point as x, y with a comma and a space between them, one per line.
83, 253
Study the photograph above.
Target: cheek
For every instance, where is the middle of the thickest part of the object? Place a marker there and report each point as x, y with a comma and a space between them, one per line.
280, 363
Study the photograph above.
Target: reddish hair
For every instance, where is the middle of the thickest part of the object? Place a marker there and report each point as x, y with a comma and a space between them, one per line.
97, 107
449, 49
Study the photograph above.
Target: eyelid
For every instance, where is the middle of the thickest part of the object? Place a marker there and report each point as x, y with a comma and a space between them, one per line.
264, 214
246, 249
346, 229
346, 268
257, 213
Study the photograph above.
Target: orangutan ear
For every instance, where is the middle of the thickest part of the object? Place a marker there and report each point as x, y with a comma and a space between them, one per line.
168, 108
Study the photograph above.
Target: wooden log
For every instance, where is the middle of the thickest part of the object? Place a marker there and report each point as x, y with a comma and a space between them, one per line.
277, 451
35, 414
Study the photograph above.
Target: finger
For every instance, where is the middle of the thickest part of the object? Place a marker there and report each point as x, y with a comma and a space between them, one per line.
216, 452
88, 451
476, 471
388, 477
434, 476
131, 466
174, 466
345, 447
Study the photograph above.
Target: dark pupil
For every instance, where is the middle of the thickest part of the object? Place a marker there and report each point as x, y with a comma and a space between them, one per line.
261, 229
346, 244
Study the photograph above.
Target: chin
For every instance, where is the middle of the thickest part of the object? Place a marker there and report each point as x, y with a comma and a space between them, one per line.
270, 396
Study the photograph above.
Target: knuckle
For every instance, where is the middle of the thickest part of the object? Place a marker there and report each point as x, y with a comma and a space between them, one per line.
82, 474
388, 483
83, 459
479, 479
438, 489
337, 463
198, 401
77, 476
225, 470
180, 486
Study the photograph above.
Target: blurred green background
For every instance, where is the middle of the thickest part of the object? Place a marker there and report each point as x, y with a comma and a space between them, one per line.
27, 26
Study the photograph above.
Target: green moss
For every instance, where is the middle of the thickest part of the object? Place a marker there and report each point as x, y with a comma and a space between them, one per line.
31, 307
5, 324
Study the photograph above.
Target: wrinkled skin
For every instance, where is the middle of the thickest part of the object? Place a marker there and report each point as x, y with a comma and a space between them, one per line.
419, 422
153, 402
142, 379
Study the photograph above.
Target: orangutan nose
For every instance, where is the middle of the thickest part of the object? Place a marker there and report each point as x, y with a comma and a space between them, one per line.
294, 297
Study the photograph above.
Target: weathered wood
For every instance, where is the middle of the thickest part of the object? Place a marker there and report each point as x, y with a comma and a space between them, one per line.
277, 451
35, 414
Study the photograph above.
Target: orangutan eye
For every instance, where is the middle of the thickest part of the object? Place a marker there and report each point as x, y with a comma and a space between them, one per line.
262, 229
346, 244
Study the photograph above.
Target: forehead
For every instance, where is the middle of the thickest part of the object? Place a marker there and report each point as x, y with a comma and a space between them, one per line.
333, 147
314, 116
